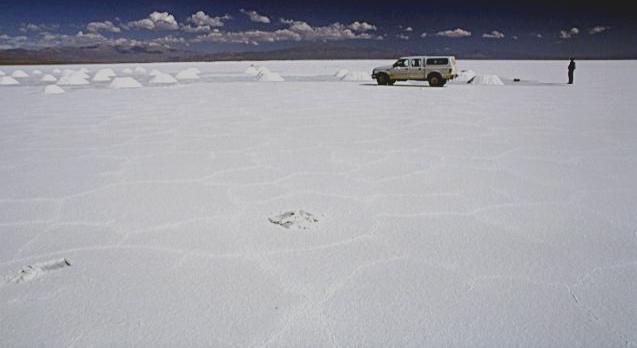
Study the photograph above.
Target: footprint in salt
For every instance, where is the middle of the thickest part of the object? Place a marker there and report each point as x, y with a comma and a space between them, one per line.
299, 219
37, 270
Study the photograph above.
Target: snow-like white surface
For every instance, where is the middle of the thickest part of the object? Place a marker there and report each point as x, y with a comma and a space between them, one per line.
2, 73
48, 78
490, 80
155, 72
424, 217
140, 70
269, 76
124, 82
251, 70
57, 71
357, 76
19, 74
340, 74
37, 72
53, 89
104, 75
465, 76
127, 71
188, 74
8, 81
163, 79
73, 78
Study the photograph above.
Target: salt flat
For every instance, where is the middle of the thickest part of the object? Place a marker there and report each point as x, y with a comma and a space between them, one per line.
458, 216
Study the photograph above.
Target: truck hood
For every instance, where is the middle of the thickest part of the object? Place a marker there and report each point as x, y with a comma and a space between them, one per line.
384, 67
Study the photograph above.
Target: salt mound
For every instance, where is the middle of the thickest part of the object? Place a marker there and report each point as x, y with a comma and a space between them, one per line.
140, 71
155, 72
37, 72
127, 71
19, 74
262, 69
251, 70
53, 89
465, 76
492, 80
81, 74
188, 74
341, 73
8, 81
163, 79
104, 75
269, 77
356, 76
2, 73
48, 78
73, 79
124, 82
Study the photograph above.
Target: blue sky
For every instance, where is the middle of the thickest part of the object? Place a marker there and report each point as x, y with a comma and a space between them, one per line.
540, 27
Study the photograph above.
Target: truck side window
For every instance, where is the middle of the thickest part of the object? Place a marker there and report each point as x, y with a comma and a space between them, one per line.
401, 63
437, 61
415, 63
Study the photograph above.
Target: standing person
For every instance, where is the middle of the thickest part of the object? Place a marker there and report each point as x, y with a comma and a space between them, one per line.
571, 69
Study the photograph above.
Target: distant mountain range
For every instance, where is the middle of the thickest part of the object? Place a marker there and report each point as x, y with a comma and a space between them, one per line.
114, 54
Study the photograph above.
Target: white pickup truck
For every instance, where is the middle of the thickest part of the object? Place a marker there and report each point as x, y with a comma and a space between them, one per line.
436, 70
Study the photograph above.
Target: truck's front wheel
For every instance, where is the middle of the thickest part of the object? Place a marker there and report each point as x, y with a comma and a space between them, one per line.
382, 80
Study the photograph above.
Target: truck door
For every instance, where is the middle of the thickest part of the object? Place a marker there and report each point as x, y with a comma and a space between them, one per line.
416, 69
400, 70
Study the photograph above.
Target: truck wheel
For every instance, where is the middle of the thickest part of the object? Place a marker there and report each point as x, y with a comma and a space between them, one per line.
382, 79
391, 82
435, 80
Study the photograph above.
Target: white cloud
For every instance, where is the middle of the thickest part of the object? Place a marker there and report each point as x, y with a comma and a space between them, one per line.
31, 27
539, 36
493, 35
95, 27
156, 21
568, 34
362, 26
598, 29
409, 29
255, 17
402, 37
201, 19
296, 31
456, 33
424, 35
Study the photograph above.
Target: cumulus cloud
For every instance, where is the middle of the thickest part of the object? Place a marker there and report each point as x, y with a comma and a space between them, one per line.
598, 29
202, 19
455, 33
362, 26
424, 35
296, 31
31, 27
568, 34
402, 37
200, 22
255, 17
493, 35
409, 29
156, 21
108, 26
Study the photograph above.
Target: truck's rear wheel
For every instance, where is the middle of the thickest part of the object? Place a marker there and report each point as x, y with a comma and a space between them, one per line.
382, 79
435, 80
391, 82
